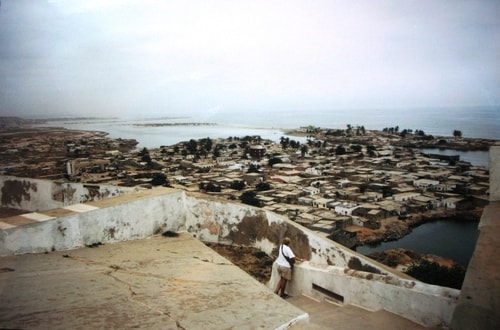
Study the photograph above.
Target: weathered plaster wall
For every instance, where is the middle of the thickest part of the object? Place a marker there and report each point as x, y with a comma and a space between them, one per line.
236, 224
425, 304
39, 195
494, 160
140, 218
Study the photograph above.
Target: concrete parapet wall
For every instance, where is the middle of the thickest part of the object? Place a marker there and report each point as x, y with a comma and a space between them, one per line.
40, 195
494, 159
428, 305
479, 304
222, 222
137, 218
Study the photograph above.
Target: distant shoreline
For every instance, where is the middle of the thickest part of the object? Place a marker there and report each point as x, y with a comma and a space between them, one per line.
174, 124
303, 132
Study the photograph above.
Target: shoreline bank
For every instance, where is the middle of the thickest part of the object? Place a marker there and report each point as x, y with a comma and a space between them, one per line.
417, 220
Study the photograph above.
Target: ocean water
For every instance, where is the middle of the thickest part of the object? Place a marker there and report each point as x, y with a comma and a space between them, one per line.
474, 122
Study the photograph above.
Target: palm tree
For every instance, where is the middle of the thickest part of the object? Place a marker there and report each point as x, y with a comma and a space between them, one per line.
284, 142
303, 150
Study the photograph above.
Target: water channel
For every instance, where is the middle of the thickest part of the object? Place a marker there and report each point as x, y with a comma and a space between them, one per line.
446, 238
476, 157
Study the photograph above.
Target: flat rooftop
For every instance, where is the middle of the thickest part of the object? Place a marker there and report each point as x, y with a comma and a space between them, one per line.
158, 283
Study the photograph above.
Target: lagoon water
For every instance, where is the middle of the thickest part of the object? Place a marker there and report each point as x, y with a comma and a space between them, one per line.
450, 239
156, 136
476, 157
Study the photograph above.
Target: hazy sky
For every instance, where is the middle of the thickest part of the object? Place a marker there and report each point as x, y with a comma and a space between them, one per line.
120, 58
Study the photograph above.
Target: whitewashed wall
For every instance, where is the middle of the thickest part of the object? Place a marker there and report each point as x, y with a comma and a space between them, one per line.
39, 195
136, 219
425, 304
220, 222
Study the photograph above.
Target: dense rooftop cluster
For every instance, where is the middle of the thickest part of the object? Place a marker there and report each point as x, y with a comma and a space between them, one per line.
44, 152
333, 183
342, 183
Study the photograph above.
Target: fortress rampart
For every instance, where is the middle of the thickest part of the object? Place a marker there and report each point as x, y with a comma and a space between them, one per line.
332, 272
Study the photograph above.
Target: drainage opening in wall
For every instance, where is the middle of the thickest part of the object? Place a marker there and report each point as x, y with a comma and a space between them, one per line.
330, 295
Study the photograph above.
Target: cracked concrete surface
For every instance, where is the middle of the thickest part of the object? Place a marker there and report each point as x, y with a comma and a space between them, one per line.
156, 283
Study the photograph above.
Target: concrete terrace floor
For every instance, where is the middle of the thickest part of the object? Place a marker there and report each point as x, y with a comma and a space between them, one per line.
158, 283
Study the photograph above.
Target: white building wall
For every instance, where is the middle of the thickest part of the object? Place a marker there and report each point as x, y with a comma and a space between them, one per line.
356, 221
345, 209
425, 183
404, 196
311, 191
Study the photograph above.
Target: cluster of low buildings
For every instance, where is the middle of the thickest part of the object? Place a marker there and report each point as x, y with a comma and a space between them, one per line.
373, 179
58, 153
328, 192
